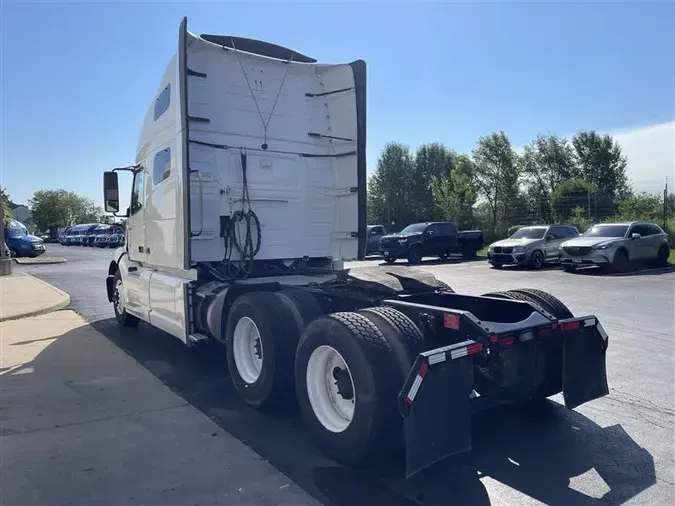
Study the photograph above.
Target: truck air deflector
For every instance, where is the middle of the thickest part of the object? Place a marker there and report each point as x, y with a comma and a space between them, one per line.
359, 70
259, 47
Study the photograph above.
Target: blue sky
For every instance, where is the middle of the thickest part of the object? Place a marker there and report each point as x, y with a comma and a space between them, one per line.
78, 78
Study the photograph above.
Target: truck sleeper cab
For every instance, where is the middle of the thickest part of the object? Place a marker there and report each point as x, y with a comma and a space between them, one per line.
237, 230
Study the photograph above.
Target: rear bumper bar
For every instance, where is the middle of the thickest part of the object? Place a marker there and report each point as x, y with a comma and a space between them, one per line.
438, 397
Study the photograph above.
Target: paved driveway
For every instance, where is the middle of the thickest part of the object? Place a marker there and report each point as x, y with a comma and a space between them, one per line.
617, 450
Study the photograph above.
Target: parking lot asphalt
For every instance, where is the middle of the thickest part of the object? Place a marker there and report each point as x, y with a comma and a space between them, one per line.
615, 450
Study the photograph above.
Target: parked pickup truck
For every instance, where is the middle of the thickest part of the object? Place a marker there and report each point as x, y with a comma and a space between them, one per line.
437, 239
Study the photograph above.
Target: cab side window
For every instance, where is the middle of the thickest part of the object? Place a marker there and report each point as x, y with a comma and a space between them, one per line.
447, 229
161, 168
138, 192
162, 102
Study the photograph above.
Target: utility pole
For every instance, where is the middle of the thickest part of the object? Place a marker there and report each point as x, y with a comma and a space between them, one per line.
665, 205
5, 263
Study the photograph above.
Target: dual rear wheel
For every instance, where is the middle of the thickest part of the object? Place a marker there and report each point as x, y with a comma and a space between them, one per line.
344, 370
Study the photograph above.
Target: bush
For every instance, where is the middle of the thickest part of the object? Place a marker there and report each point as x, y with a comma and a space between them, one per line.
578, 219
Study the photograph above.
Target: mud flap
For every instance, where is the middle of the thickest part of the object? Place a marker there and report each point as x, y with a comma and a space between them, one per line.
109, 286
435, 404
584, 363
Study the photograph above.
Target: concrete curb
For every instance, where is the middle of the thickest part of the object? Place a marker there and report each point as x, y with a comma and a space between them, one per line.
40, 261
63, 302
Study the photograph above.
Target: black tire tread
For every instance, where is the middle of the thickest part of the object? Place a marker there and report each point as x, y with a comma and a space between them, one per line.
550, 303
305, 303
413, 338
551, 383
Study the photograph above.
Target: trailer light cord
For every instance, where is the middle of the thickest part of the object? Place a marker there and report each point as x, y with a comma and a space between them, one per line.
255, 101
244, 243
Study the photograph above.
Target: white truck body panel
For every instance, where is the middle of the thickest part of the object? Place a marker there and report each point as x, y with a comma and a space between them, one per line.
308, 206
301, 127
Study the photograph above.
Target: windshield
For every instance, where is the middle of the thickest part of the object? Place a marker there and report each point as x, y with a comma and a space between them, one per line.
414, 229
529, 233
607, 231
16, 232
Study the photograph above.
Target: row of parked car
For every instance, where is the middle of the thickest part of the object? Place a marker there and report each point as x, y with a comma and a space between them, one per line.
610, 246
93, 234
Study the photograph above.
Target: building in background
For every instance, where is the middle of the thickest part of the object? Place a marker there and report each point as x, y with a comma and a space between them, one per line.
22, 214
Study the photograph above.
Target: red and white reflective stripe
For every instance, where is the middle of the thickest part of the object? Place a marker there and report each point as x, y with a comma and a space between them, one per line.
417, 383
437, 358
573, 325
466, 350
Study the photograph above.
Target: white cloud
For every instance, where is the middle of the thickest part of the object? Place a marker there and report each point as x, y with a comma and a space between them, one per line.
650, 151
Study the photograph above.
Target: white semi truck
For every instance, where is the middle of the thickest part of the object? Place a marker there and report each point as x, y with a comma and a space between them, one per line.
248, 195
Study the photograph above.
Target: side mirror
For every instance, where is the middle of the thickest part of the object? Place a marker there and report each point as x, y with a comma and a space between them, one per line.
111, 192
550, 238
635, 236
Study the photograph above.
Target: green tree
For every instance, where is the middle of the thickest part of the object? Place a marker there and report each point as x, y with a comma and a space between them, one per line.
6, 212
61, 208
571, 194
455, 193
600, 161
497, 176
389, 187
546, 162
432, 161
643, 206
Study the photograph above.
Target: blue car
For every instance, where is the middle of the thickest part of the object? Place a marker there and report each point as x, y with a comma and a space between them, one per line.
21, 243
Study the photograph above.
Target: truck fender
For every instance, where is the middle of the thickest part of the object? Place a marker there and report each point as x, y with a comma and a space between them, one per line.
122, 265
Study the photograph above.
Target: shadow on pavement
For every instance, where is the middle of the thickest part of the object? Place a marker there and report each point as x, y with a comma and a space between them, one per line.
537, 452
639, 270
83, 425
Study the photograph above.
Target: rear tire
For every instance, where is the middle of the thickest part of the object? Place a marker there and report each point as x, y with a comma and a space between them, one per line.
263, 329
364, 376
551, 383
551, 355
401, 333
123, 318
